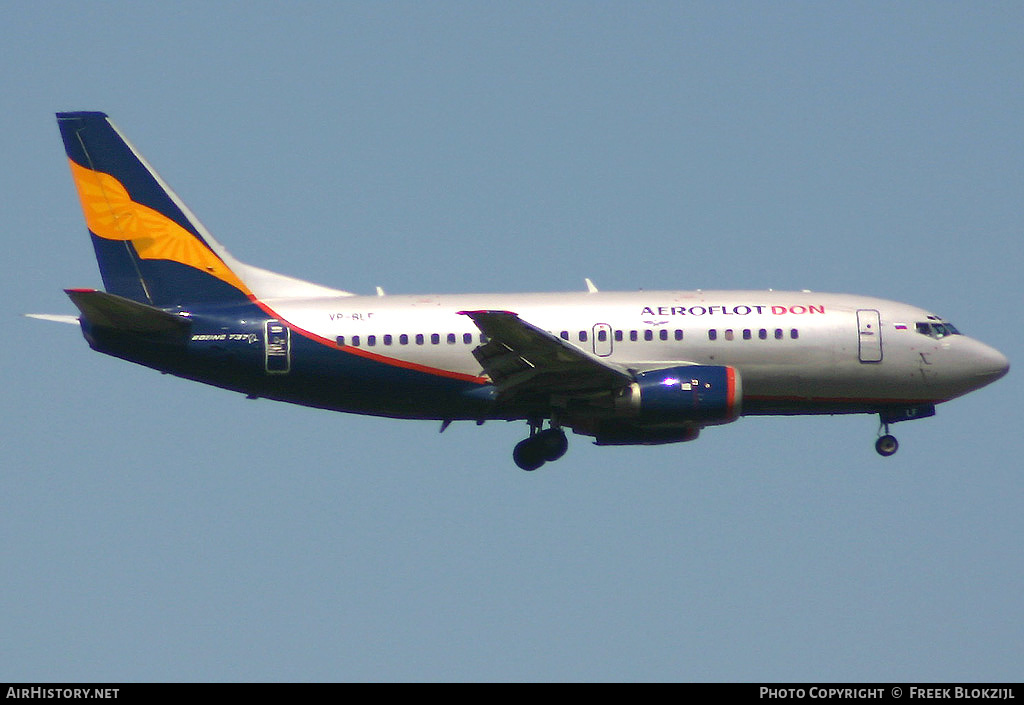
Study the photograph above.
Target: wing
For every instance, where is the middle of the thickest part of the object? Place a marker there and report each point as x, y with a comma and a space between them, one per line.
522, 360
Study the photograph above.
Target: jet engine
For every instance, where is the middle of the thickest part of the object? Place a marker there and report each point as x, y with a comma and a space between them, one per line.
672, 405
705, 394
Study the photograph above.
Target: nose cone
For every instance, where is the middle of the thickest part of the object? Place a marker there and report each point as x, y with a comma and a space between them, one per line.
988, 364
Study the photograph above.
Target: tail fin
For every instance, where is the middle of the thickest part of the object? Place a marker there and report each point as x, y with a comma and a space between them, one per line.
150, 247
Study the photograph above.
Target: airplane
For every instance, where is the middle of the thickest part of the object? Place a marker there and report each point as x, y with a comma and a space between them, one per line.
625, 368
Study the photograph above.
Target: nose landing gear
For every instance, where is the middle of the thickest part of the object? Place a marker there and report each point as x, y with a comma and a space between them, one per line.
886, 444
541, 447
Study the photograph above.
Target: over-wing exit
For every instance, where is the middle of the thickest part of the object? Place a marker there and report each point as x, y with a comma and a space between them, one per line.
623, 368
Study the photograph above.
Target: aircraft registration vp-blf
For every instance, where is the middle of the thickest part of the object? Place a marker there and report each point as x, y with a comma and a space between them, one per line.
645, 367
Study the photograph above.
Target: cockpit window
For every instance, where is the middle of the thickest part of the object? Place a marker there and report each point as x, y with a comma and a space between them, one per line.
937, 330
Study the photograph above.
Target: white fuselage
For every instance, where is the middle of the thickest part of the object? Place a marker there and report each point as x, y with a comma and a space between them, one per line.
790, 347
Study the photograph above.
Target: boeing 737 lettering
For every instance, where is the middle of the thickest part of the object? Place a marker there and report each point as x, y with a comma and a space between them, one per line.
646, 367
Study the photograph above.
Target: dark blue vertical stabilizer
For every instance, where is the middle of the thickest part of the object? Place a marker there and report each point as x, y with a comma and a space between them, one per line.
149, 247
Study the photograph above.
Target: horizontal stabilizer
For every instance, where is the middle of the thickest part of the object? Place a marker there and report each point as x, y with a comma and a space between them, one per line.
55, 317
102, 310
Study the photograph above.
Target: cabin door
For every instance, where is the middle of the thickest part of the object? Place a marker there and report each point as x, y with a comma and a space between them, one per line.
869, 329
277, 344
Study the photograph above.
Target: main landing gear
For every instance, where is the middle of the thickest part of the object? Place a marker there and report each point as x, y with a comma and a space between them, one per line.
886, 444
541, 447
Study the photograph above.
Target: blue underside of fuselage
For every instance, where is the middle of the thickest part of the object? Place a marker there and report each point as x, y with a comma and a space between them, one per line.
330, 378
226, 349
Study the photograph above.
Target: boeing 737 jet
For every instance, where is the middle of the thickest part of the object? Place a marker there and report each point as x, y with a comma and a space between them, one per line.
646, 367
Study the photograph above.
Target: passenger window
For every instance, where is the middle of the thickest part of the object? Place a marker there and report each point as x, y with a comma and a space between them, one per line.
602, 335
419, 339
403, 339
648, 334
618, 336
794, 334
778, 334
583, 336
679, 334
729, 334
632, 335
435, 338
746, 334
387, 339
712, 334
371, 340
341, 341
451, 339
355, 340
663, 334
762, 334
467, 338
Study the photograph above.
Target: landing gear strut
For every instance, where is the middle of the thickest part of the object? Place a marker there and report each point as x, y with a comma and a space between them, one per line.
887, 444
542, 446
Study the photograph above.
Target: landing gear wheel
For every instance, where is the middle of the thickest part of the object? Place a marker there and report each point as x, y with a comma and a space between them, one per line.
528, 454
887, 445
552, 443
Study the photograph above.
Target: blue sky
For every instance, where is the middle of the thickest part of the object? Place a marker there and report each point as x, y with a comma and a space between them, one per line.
156, 529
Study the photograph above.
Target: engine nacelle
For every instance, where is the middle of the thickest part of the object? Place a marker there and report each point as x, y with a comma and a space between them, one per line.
626, 433
700, 394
